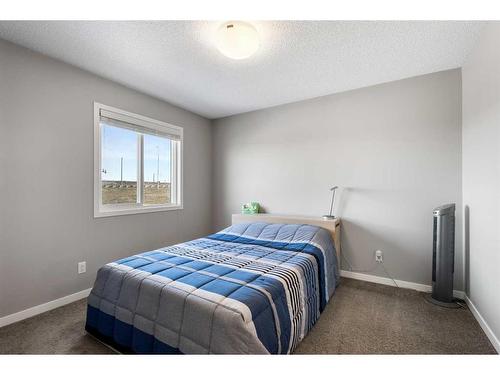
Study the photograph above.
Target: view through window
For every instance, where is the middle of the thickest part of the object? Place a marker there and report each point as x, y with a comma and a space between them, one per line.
120, 167
157, 178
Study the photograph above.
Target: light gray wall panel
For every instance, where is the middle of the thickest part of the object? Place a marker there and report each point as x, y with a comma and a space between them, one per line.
395, 149
46, 182
481, 175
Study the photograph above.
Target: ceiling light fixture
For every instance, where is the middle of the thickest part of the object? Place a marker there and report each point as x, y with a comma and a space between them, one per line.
237, 40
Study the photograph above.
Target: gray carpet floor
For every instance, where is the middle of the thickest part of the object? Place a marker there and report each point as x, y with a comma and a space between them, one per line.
362, 318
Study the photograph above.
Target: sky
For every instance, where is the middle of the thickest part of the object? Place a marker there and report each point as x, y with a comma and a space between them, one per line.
118, 143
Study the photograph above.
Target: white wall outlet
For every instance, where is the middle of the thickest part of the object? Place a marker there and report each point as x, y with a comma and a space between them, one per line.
379, 257
82, 267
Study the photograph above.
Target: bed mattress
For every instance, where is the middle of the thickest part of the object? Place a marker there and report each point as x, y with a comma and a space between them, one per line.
252, 288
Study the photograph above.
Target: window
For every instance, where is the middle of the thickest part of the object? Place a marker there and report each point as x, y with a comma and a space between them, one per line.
137, 163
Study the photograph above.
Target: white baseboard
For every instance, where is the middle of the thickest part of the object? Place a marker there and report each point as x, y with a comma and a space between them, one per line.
32, 311
486, 328
460, 294
401, 284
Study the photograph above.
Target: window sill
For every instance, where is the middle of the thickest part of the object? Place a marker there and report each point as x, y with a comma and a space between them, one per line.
134, 211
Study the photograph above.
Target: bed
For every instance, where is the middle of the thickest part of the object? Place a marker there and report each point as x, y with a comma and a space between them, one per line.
256, 287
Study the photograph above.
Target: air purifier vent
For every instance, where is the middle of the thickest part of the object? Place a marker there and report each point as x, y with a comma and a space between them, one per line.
443, 255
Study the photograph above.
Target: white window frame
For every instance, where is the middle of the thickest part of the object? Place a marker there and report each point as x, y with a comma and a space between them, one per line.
161, 127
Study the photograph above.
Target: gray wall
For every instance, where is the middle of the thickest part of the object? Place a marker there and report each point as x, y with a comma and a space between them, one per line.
481, 175
46, 183
394, 148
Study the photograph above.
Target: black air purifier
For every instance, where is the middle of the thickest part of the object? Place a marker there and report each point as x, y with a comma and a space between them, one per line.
443, 256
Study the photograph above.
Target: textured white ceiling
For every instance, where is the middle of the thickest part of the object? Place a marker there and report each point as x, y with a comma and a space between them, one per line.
178, 62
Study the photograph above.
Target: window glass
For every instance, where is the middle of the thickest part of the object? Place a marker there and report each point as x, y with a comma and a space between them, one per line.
157, 170
119, 165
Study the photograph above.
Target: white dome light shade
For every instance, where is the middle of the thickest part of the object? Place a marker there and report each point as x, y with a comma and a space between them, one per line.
237, 40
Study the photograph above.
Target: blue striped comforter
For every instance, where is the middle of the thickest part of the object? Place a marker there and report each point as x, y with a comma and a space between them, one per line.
251, 288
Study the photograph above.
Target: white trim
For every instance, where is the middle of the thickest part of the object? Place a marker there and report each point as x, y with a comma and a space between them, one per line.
140, 170
460, 294
401, 283
135, 119
139, 123
486, 328
141, 210
36, 310
97, 160
138, 208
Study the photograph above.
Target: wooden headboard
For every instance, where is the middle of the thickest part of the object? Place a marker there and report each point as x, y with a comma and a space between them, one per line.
333, 226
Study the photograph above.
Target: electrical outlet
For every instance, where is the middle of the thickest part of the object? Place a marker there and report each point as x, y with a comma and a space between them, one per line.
82, 267
379, 257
